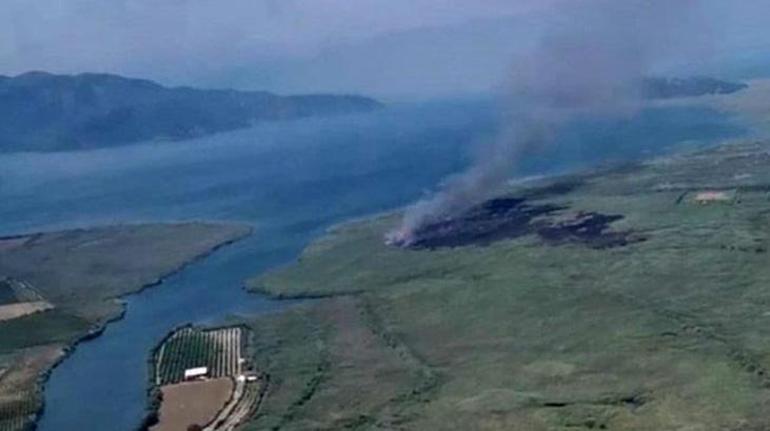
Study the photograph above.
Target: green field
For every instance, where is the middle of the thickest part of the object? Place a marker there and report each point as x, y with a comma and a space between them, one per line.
82, 274
671, 333
49, 327
107, 262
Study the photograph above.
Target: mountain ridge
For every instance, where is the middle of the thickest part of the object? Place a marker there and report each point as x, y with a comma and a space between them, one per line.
51, 112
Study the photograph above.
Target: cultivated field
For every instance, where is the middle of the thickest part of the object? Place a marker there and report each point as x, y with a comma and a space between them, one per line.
19, 398
14, 291
17, 412
18, 299
217, 349
221, 351
192, 403
80, 273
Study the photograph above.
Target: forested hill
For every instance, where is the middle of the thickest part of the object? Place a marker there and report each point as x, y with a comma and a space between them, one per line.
46, 112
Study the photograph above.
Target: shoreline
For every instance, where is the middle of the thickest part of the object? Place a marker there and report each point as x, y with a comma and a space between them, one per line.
512, 186
572, 295
249, 229
98, 329
154, 398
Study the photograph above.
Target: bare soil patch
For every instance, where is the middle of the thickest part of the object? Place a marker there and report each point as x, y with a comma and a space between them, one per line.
13, 311
189, 403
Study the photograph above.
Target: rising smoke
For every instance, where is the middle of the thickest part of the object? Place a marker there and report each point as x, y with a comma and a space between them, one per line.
589, 63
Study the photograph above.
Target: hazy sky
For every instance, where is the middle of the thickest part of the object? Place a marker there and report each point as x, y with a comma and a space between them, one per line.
390, 48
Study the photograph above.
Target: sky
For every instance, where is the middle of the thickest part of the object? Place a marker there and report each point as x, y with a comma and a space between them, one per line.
386, 48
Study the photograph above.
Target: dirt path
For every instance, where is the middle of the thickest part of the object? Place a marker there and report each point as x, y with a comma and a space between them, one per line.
246, 397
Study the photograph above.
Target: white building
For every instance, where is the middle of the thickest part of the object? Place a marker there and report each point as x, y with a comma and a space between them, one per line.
196, 373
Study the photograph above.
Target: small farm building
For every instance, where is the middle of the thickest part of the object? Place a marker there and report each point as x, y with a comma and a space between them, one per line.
196, 373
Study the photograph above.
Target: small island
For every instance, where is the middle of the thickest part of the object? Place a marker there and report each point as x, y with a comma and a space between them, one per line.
57, 288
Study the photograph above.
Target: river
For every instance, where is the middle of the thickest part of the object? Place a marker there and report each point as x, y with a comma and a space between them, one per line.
291, 181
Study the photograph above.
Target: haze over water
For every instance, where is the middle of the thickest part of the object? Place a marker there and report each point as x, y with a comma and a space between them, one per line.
290, 181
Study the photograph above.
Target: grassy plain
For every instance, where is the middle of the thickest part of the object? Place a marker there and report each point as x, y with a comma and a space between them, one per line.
81, 274
672, 333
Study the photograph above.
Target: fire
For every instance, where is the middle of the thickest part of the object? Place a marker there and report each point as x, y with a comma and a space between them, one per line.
402, 237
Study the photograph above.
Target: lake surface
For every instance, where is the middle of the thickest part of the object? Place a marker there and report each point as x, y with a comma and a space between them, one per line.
290, 181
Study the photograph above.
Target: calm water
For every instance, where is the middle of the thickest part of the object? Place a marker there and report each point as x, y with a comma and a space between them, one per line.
290, 181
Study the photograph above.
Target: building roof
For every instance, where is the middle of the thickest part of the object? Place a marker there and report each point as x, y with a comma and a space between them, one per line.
196, 372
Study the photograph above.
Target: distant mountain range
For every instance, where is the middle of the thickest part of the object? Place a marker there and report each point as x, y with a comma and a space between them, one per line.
46, 112
669, 88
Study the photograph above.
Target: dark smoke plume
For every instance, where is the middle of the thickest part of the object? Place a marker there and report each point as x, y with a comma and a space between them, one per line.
590, 62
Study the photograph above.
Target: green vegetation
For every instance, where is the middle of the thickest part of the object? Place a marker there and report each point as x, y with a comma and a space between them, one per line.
217, 349
49, 327
668, 333
81, 274
328, 370
7, 294
77, 266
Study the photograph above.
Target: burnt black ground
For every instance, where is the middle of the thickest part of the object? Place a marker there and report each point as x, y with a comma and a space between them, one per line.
590, 229
508, 218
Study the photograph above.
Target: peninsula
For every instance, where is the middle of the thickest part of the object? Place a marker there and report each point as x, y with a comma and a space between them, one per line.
629, 298
60, 287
